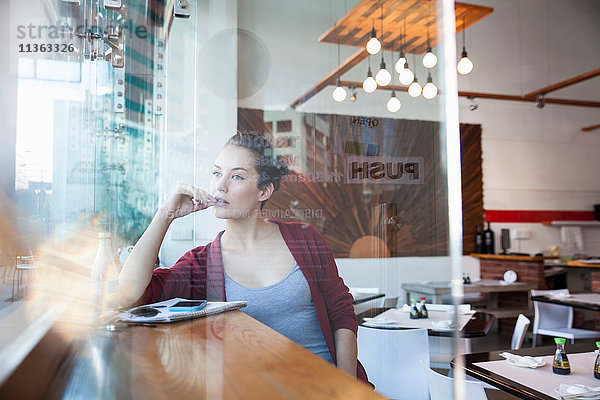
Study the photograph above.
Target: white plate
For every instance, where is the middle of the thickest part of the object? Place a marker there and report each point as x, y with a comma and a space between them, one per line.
518, 364
565, 390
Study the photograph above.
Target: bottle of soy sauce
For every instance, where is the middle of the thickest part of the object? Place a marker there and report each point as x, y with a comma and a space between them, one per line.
597, 363
560, 364
414, 312
479, 240
423, 312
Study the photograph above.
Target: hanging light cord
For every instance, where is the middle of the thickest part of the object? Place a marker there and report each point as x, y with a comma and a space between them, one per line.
339, 59
463, 33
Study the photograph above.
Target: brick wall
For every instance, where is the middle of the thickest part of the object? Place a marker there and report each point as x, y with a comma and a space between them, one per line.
528, 272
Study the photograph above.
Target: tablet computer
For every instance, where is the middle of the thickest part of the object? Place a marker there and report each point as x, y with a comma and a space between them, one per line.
187, 305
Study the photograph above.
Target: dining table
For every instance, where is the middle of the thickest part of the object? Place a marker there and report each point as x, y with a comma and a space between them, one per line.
533, 383
586, 301
470, 324
436, 289
224, 356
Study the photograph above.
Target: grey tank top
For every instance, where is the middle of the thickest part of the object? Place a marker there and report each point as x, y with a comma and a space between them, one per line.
285, 306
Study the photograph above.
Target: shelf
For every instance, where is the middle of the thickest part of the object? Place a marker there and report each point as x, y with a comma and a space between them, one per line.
572, 223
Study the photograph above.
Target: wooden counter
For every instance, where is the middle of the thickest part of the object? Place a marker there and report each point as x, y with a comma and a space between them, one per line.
226, 356
583, 265
508, 257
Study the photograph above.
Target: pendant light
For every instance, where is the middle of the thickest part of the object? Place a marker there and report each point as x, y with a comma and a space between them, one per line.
406, 75
369, 85
383, 76
464, 65
414, 90
353, 95
429, 90
393, 104
373, 45
339, 93
401, 63
429, 59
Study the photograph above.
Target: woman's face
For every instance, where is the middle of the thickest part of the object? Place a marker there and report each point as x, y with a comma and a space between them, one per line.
234, 180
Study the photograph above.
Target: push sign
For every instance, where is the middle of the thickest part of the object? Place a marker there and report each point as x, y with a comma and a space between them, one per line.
391, 170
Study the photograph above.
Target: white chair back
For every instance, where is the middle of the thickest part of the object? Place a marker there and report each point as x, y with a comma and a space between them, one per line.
519, 333
391, 358
442, 387
548, 316
390, 302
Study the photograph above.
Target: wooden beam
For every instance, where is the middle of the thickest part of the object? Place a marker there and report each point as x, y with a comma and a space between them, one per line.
563, 84
590, 128
330, 78
494, 96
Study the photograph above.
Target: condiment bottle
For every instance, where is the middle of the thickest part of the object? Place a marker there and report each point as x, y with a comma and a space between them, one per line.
560, 364
423, 311
597, 363
414, 313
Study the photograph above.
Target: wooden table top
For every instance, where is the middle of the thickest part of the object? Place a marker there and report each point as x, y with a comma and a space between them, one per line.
225, 356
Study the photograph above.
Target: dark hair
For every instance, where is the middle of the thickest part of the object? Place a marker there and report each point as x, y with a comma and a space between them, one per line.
270, 169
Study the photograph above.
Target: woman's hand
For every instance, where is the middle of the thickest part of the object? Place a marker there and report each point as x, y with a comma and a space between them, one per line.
184, 200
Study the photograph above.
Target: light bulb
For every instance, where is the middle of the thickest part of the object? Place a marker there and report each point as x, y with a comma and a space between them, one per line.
464, 65
414, 90
373, 45
406, 76
393, 103
429, 90
400, 64
339, 93
429, 59
383, 77
369, 85
353, 96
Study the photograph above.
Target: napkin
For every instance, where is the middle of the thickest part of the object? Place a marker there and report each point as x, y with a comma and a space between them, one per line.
527, 361
406, 308
442, 324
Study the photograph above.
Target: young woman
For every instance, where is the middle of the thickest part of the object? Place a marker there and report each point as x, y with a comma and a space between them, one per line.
285, 271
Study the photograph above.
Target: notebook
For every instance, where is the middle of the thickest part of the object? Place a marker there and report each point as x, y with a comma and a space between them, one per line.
165, 315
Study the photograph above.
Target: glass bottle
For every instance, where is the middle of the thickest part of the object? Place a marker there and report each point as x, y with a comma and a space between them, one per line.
414, 312
479, 240
560, 364
597, 362
488, 240
104, 273
423, 311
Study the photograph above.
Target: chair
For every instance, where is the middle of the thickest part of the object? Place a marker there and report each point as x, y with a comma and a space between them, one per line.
391, 358
556, 320
442, 387
519, 333
389, 302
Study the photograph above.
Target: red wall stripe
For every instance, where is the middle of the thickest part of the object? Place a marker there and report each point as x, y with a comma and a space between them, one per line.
537, 215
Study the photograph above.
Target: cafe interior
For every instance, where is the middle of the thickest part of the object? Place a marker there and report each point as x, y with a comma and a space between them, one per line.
447, 153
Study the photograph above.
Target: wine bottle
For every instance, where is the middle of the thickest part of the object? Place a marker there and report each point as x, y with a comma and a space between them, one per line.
479, 240
488, 240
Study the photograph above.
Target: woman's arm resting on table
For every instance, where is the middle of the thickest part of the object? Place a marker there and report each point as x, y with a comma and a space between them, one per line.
137, 271
345, 349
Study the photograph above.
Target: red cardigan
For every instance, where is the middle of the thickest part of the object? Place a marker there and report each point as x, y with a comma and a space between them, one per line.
198, 274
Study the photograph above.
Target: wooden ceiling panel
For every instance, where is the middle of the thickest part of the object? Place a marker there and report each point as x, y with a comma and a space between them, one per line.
420, 17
